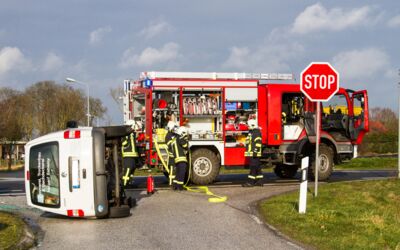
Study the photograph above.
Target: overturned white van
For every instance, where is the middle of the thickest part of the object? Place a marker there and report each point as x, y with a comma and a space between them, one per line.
75, 172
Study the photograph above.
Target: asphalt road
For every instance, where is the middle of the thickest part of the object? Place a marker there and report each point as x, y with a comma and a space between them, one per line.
175, 220
12, 183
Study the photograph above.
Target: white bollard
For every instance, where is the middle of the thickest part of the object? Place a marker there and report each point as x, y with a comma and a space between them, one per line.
303, 185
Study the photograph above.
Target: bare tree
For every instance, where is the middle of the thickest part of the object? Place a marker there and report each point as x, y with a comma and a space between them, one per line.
10, 123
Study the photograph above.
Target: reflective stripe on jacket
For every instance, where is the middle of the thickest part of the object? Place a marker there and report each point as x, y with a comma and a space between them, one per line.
169, 138
179, 146
253, 143
129, 146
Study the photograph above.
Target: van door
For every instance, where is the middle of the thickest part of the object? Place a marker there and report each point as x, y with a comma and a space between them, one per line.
358, 124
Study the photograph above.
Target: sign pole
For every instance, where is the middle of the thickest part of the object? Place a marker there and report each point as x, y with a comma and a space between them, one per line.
318, 120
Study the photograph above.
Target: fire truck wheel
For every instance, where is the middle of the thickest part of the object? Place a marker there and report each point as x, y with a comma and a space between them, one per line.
205, 166
325, 163
119, 212
285, 171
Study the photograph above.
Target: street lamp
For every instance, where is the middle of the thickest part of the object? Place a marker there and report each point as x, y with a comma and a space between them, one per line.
71, 80
398, 143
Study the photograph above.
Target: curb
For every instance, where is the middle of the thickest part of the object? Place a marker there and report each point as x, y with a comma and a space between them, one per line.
255, 211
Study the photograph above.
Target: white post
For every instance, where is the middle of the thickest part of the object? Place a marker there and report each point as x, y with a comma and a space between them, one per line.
318, 117
303, 185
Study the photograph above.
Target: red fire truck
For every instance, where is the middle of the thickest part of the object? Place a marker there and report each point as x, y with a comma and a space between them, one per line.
215, 108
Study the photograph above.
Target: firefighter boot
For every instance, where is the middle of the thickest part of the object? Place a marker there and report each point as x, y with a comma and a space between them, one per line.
249, 183
259, 182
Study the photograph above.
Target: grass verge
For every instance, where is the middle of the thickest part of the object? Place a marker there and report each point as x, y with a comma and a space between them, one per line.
11, 230
4, 168
369, 163
351, 215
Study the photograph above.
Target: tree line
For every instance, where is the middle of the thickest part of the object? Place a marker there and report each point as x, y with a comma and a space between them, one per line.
382, 137
42, 108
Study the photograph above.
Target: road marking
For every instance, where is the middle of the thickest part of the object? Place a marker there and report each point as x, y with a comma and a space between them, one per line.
12, 194
12, 179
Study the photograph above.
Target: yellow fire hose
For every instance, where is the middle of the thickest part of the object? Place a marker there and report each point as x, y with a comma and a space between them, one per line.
199, 189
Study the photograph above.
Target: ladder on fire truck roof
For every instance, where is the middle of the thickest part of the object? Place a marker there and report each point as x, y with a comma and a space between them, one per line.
215, 76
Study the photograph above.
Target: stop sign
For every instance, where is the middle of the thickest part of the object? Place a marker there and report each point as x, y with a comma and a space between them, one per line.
319, 81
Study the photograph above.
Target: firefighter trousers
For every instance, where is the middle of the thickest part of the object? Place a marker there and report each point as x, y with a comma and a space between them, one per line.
129, 166
180, 175
255, 174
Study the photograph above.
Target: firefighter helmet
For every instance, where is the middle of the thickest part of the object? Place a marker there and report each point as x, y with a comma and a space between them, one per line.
171, 126
182, 131
252, 123
137, 126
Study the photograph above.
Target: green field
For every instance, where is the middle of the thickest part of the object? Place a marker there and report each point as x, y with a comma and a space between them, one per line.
351, 215
369, 163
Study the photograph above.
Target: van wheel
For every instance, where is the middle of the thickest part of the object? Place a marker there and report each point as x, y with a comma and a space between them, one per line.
119, 212
205, 166
285, 171
325, 163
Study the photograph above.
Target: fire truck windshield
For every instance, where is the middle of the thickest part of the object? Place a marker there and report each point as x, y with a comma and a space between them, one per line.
44, 175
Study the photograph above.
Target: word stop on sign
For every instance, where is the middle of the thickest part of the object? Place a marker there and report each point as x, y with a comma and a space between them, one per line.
319, 81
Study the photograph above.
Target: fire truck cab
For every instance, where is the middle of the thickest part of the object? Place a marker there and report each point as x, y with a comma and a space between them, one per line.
73, 173
215, 107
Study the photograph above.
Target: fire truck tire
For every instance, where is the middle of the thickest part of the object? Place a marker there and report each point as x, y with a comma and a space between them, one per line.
205, 166
326, 163
285, 171
119, 212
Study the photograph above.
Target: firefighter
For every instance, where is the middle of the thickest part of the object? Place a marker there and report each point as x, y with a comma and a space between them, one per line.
179, 147
129, 153
253, 154
169, 137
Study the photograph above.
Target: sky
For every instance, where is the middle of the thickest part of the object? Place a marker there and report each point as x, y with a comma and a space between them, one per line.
102, 42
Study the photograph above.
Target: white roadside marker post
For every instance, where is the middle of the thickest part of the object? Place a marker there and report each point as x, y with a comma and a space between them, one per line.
303, 185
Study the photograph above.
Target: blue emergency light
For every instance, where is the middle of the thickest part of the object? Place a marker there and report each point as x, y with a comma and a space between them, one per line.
147, 83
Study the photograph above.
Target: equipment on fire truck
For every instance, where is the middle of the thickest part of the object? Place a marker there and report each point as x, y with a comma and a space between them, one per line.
200, 105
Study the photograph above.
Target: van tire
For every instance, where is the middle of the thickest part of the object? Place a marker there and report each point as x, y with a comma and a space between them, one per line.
205, 166
119, 212
326, 169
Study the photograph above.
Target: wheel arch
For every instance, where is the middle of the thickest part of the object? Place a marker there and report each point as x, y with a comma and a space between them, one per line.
216, 149
306, 146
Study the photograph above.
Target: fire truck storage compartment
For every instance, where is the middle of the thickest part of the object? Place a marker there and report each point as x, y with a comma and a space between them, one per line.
201, 113
240, 106
165, 106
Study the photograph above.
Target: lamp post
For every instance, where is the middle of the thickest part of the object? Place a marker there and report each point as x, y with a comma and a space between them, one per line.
71, 80
398, 144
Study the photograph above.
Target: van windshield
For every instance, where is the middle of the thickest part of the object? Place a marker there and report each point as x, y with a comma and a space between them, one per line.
44, 175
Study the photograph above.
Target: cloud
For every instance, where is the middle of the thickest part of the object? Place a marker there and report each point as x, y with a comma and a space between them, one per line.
316, 18
12, 59
97, 35
52, 62
155, 28
361, 64
150, 56
271, 57
394, 22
